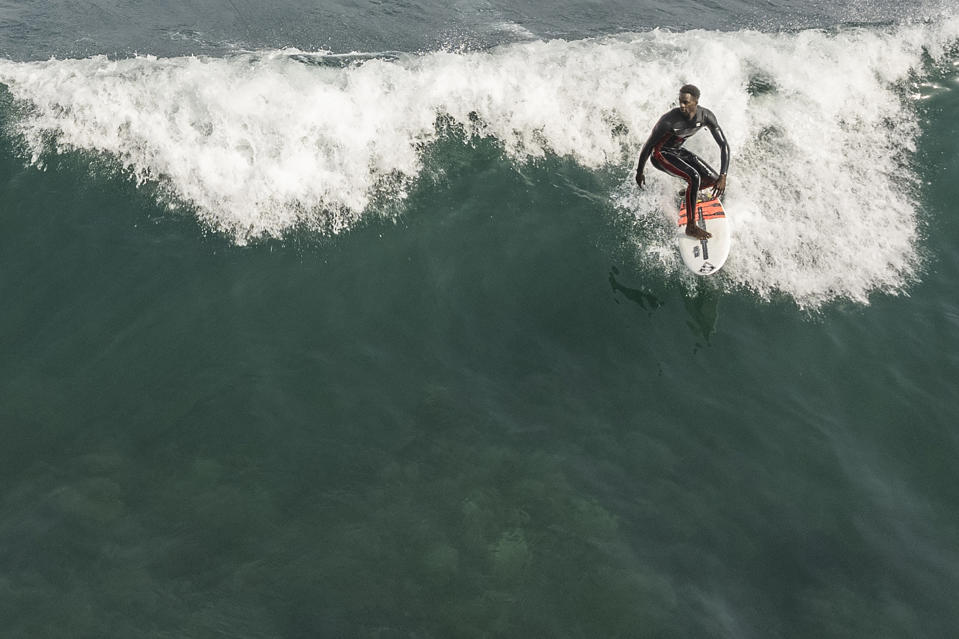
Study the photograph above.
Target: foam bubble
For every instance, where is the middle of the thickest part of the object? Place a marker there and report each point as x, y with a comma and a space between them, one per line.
261, 142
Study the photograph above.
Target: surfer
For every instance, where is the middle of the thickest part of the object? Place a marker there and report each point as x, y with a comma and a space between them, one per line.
665, 146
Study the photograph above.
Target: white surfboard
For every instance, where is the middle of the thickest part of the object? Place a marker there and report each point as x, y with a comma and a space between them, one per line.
705, 257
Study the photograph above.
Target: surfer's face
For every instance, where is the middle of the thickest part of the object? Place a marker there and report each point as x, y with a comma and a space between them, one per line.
687, 104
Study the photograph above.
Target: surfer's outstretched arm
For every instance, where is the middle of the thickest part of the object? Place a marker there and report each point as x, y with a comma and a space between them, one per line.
659, 132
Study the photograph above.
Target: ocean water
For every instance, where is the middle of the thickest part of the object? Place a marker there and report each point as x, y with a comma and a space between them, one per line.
344, 319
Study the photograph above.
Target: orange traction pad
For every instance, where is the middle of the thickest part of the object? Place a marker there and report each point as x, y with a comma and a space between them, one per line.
711, 209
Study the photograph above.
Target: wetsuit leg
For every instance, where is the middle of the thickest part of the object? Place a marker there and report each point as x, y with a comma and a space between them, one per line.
707, 174
672, 163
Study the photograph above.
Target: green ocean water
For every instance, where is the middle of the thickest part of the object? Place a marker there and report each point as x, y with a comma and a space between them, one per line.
482, 408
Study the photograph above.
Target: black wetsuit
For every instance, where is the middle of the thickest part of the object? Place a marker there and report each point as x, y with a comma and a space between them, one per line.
665, 146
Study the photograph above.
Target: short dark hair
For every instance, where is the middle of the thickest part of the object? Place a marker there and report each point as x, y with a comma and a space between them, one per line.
691, 89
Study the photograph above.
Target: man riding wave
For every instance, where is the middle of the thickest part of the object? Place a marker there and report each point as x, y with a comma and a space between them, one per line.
665, 146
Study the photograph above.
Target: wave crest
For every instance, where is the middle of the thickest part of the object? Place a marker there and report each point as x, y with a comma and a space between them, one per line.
258, 143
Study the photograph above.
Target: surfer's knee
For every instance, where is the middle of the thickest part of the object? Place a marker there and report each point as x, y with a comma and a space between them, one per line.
694, 182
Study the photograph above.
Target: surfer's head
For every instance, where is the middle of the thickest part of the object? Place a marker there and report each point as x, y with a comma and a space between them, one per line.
688, 100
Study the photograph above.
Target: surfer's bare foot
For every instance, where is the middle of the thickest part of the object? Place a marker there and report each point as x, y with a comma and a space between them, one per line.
700, 234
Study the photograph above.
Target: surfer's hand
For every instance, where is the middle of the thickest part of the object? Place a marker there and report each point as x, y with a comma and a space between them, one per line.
720, 187
640, 179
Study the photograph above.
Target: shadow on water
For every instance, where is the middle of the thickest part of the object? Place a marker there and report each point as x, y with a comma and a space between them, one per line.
701, 303
646, 299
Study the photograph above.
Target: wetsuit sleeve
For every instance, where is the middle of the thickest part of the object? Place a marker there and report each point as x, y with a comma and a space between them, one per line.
660, 131
720, 138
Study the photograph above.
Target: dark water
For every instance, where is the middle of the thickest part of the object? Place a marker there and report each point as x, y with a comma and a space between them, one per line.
300, 344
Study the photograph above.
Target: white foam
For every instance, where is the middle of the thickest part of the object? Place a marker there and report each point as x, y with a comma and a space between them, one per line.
515, 29
821, 190
261, 142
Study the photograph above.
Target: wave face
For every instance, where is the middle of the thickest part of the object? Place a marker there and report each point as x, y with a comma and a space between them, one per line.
821, 123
